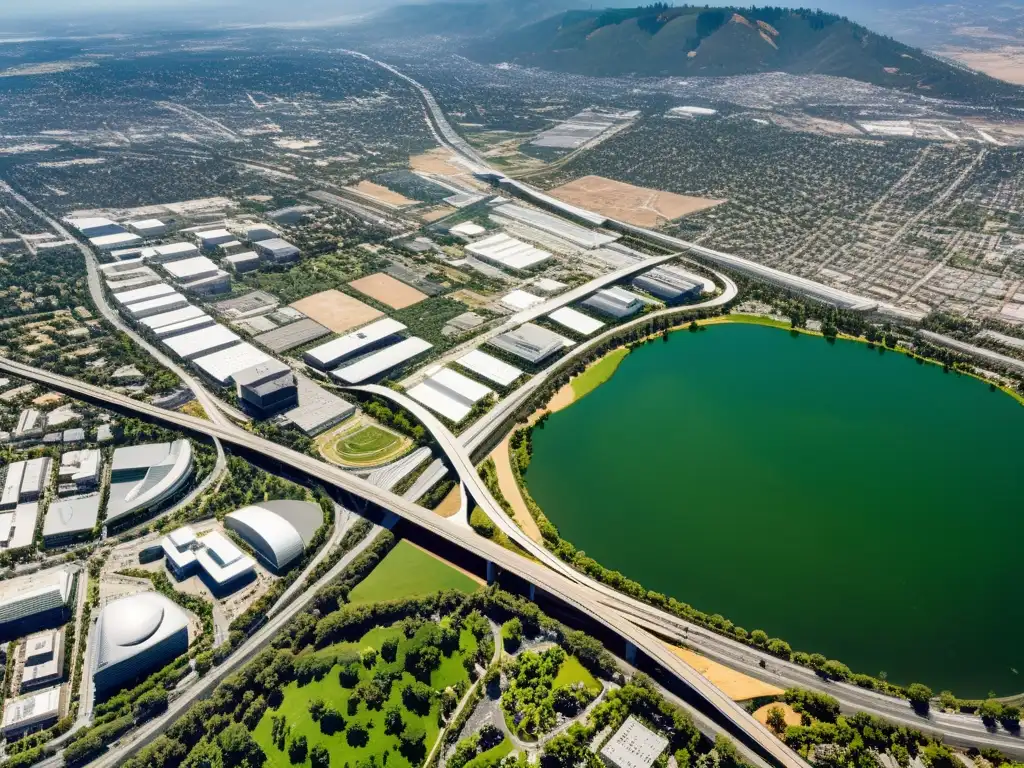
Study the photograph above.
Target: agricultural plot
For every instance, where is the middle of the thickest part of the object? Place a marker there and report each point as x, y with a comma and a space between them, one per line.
337, 311
408, 571
388, 290
641, 206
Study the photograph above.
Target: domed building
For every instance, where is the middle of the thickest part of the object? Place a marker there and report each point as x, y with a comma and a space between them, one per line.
136, 635
278, 531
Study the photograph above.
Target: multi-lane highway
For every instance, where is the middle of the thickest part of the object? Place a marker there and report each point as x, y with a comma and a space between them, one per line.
559, 585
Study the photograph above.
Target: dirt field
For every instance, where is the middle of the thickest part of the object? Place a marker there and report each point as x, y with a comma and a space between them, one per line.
792, 716
381, 194
1006, 63
449, 506
510, 490
735, 685
388, 290
337, 311
431, 215
441, 162
634, 205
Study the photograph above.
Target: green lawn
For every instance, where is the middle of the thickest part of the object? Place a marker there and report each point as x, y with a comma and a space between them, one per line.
409, 572
572, 672
598, 373
492, 756
368, 443
759, 320
295, 707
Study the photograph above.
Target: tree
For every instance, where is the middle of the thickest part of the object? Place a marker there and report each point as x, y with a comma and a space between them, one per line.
316, 709
512, 634
205, 754
368, 657
297, 749
349, 676
412, 743
776, 719
240, 748
389, 649
393, 723
759, 637
919, 696
319, 757
416, 696
990, 710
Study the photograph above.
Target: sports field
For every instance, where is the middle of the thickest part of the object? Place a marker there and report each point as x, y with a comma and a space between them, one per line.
408, 571
354, 746
361, 444
336, 310
387, 290
635, 205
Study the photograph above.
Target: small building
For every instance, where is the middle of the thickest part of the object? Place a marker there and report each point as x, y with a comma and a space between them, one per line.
292, 215
104, 433
530, 342
134, 636
519, 300
379, 364
376, 335
73, 436
31, 423
547, 287
70, 520
634, 745
31, 603
278, 531
267, 387
79, 471
615, 302
584, 325
32, 712
210, 238
467, 230
276, 251
179, 550
243, 262
147, 227
44, 659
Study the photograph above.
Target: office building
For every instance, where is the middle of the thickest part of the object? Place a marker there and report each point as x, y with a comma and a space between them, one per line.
530, 342
32, 712
145, 476
222, 366
44, 659
35, 602
79, 471
35, 479
134, 636
278, 531
70, 520
267, 388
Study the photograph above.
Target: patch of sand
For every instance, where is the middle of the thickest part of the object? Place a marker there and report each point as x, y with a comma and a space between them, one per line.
510, 490
48, 398
387, 290
435, 214
635, 205
381, 194
450, 564
450, 504
735, 685
1005, 63
442, 162
792, 716
336, 310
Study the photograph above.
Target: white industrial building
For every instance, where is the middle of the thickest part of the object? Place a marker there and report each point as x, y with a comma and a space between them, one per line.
124, 298
222, 366
126, 265
159, 305
634, 745
12, 485
554, 225
44, 659
530, 342
220, 282
207, 341
518, 300
184, 326
672, 283
35, 479
192, 268
137, 278
368, 338
155, 322
31, 423
32, 712
490, 368
576, 321
378, 364
68, 520
468, 230
221, 564
449, 393
18, 528
547, 286
144, 476
136, 635
259, 232
243, 262
79, 471
213, 237
276, 250
278, 531
506, 252
30, 603
95, 226
162, 254
112, 242
615, 302
147, 227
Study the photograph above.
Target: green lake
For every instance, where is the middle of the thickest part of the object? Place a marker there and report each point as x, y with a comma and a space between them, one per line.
851, 502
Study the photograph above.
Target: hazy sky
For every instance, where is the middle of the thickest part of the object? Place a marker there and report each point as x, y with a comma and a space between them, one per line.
80, 9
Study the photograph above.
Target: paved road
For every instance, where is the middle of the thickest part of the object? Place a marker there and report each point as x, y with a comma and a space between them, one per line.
565, 587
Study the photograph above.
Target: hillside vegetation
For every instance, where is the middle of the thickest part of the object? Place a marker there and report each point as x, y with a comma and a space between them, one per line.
659, 40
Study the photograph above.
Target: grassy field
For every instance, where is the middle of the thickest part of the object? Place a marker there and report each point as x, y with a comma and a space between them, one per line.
492, 756
598, 373
572, 672
409, 572
757, 320
366, 445
295, 707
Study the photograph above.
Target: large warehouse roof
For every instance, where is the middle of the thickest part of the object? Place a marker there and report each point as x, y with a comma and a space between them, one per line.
449, 393
576, 321
67, 517
26, 596
381, 362
222, 366
581, 236
490, 368
185, 326
154, 322
143, 294
517, 300
530, 342
334, 352
504, 251
274, 538
191, 269
160, 304
202, 342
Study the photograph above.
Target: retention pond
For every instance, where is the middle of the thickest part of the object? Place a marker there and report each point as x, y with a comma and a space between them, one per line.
849, 501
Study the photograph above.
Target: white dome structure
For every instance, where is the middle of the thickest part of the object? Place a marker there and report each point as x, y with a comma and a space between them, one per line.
277, 530
137, 634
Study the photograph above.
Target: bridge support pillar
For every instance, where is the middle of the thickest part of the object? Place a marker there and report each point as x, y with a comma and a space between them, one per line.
492, 572
630, 653
533, 592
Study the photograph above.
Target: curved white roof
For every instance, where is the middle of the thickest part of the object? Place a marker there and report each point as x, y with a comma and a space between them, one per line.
275, 537
131, 625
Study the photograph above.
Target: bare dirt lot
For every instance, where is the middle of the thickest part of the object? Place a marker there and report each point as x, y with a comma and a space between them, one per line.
442, 162
388, 290
337, 311
381, 194
635, 205
1005, 63
735, 685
